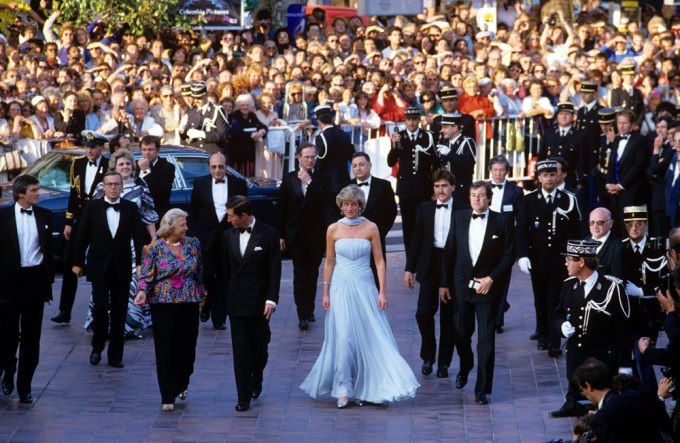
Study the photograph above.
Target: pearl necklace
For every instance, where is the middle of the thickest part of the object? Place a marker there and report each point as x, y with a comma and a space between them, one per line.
174, 244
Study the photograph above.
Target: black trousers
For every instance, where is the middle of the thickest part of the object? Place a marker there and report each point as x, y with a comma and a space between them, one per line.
216, 300
110, 295
250, 338
547, 289
69, 284
408, 207
21, 324
428, 303
306, 262
175, 330
500, 311
486, 340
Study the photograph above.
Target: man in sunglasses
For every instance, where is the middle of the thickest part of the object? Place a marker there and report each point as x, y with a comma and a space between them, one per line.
610, 248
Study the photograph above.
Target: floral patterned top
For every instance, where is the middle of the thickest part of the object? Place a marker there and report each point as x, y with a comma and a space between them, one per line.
168, 278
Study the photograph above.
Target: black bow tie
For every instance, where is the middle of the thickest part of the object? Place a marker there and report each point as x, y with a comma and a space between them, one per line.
497, 186
474, 216
442, 206
248, 230
362, 184
26, 211
115, 206
625, 137
91, 163
219, 180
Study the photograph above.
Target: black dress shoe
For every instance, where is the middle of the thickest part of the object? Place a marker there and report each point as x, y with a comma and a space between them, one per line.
257, 390
311, 319
481, 399
442, 372
95, 357
7, 385
62, 317
26, 399
427, 368
542, 346
554, 352
462, 379
567, 412
499, 329
242, 407
205, 316
506, 308
117, 365
534, 336
303, 325
220, 326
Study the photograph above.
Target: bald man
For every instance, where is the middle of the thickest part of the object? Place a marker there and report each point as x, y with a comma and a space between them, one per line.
610, 251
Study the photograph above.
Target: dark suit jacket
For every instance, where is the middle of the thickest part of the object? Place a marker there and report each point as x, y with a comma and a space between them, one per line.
160, 181
656, 176
335, 149
108, 253
671, 194
495, 258
571, 147
610, 257
10, 254
78, 198
303, 219
253, 278
204, 223
632, 168
513, 196
381, 207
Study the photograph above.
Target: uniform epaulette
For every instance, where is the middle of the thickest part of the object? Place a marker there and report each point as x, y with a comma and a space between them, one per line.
569, 278
532, 192
618, 281
78, 157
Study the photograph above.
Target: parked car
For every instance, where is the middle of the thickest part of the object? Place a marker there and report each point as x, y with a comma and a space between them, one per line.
53, 169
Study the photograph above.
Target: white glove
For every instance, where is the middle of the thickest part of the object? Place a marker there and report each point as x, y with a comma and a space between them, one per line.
567, 329
443, 149
195, 133
625, 371
524, 264
633, 290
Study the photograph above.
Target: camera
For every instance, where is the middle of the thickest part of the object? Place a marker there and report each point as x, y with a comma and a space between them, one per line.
667, 372
552, 20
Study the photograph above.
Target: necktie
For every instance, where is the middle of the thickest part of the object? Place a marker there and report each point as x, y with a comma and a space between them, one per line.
582, 289
474, 216
26, 211
637, 249
624, 137
115, 206
248, 230
497, 186
220, 180
442, 206
413, 137
549, 199
91, 163
362, 184
563, 133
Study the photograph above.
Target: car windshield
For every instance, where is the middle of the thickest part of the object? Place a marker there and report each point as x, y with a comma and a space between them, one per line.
53, 171
192, 167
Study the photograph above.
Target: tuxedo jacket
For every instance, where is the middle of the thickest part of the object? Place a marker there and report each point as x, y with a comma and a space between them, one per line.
631, 170
253, 278
304, 218
513, 196
610, 257
635, 102
421, 248
571, 147
78, 198
381, 207
334, 150
160, 181
671, 192
495, 258
10, 254
106, 253
656, 175
203, 222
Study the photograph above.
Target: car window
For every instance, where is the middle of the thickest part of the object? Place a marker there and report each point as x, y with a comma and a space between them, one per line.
53, 172
192, 167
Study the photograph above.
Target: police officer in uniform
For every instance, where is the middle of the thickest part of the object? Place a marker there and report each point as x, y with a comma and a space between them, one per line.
205, 125
86, 173
628, 96
547, 219
334, 148
449, 104
587, 115
593, 315
458, 154
566, 142
645, 263
414, 150
598, 156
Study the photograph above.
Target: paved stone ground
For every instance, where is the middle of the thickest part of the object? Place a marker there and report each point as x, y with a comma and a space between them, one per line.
76, 402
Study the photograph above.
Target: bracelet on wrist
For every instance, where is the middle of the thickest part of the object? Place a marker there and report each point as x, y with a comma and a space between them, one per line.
325, 283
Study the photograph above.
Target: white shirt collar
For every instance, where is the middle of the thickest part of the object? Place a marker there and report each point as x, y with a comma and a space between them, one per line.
552, 194
590, 282
642, 243
18, 208
368, 180
603, 239
106, 199
447, 202
567, 129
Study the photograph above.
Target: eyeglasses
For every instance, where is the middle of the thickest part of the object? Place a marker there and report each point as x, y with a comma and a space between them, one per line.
427, 100
599, 223
572, 259
112, 184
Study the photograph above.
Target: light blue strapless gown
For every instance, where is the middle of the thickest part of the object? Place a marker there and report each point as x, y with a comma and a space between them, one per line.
359, 357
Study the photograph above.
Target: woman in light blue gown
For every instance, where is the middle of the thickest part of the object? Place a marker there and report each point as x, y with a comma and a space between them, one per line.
359, 358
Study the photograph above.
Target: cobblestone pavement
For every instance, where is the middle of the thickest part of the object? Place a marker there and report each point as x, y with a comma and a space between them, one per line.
76, 402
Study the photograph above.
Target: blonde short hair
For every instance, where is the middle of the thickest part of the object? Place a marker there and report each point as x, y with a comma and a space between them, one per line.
351, 193
122, 153
169, 221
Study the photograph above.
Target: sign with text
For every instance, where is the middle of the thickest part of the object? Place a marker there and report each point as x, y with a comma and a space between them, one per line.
217, 14
389, 7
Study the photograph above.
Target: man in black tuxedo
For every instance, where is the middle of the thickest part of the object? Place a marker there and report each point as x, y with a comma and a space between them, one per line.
252, 269
629, 97
434, 224
27, 274
479, 255
415, 152
626, 181
610, 248
305, 211
206, 125
381, 207
86, 173
107, 227
157, 172
334, 149
208, 222
567, 142
507, 199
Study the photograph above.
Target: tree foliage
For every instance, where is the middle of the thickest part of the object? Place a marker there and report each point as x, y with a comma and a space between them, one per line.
140, 16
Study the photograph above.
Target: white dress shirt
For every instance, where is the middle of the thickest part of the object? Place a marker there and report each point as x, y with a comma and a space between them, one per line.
90, 172
412, 135
442, 223
366, 189
564, 131
476, 235
590, 282
497, 200
602, 240
641, 245
27, 232
112, 217
552, 195
244, 237
622, 147
220, 195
